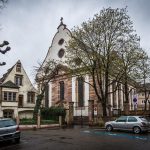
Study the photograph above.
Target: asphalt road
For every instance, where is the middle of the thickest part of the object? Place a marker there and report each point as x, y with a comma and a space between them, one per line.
78, 139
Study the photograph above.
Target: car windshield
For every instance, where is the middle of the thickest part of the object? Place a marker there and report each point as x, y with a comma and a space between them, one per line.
143, 119
6, 123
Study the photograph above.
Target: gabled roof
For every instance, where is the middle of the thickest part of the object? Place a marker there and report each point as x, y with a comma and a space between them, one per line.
9, 84
7, 73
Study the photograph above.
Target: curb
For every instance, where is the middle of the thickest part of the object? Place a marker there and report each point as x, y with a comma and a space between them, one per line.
35, 127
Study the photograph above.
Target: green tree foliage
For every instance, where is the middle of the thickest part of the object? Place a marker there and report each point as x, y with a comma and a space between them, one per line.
52, 113
100, 47
144, 78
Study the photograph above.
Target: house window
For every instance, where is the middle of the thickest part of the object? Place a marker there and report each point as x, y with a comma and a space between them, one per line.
9, 96
31, 97
18, 67
62, 90
80, 81
18, 80
8, 113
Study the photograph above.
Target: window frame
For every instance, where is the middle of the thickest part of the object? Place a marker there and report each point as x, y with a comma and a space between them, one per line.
18, 67
9, 96
31, 97
132, 120
19, 80
122, 119
80, 92
61, 90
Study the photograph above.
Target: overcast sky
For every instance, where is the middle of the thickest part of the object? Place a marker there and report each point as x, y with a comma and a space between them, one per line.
29, 25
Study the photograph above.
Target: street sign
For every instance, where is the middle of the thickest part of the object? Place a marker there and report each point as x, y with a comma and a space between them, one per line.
134, 99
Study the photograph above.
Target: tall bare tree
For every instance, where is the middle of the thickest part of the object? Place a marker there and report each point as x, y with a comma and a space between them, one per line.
94, 46
45, 73
131, 56
144, 79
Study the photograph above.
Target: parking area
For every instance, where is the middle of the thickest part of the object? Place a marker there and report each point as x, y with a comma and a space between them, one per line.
78, 138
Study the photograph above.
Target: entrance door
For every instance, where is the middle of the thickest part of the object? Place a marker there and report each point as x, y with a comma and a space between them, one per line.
20, 101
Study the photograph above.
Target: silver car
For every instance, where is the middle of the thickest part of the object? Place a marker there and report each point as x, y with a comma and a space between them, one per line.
137, 124
9, 130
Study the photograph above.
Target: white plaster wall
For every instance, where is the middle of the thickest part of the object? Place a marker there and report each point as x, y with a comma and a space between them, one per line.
74, 89
50, 94
63, 33
86, 92
122, 97
111, 97
12, 104
25, 114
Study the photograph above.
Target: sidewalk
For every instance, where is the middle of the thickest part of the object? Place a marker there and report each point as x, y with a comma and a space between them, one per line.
34, 127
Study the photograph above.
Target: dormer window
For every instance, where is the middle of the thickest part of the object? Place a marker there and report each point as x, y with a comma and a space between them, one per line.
18, 67
18, 80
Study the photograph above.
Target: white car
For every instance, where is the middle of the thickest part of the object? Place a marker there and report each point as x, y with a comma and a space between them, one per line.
137, 124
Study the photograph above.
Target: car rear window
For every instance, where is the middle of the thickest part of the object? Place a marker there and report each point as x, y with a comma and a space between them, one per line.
143, 119
7, 123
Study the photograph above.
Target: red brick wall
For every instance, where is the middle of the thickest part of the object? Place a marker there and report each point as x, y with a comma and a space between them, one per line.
56, 89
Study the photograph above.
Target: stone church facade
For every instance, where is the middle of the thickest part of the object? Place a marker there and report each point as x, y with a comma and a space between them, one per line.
72, 89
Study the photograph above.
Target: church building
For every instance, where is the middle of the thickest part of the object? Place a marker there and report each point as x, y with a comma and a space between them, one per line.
73, 89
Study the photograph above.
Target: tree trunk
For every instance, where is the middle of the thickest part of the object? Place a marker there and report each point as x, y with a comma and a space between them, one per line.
104, 109
38, 105
126, 103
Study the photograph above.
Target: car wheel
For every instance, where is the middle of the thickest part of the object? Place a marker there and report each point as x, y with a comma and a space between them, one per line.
109, 128
17, 140
137, 130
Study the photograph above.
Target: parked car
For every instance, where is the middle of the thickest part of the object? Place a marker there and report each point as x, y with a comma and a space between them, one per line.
137, 124
9, 130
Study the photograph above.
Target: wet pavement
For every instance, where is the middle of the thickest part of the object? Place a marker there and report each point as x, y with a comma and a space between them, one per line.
78, 138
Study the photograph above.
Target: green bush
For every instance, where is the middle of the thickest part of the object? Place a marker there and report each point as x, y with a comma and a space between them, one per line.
52, 113
48, 121
26, 121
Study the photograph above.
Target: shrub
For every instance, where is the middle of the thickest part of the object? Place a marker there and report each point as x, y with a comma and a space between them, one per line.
52, 113
26, 121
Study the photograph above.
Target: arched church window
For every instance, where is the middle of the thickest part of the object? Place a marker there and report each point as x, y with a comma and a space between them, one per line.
80, 81
61, 41
61, 53
62, 90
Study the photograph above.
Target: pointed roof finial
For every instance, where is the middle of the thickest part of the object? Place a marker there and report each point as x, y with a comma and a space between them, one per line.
61, 20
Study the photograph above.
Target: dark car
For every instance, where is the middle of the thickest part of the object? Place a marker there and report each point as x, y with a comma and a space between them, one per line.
136, 124
9, 130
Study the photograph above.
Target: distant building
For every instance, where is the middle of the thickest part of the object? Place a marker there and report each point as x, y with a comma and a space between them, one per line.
141, 97
17, 94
